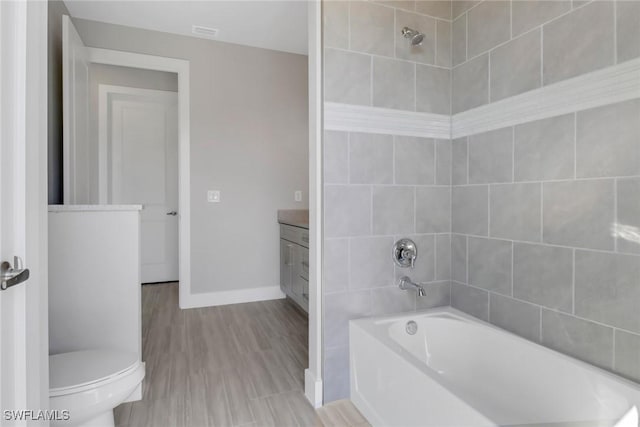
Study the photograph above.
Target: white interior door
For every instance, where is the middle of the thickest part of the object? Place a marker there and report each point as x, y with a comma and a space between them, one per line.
23, 229
143, 135
75, 103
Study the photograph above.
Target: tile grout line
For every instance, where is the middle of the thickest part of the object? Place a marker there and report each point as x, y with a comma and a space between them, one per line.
349, 26
415, 209
371, 233
549, 181
613, 350
411, 11
489, 210
615, 31
395, 28
435, 161
466, 39
348, 157
467, 258
575, 146
393, 159
349, 269
513, 250
539, 26
388, 58
513, 154
553, 245
435, 48
541, 56
488, 306
553, 310
540, 314
541, 213
573, 281
615, 214
371, 65
510, 20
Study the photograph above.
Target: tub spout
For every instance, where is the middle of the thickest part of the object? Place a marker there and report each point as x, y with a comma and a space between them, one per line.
406, 283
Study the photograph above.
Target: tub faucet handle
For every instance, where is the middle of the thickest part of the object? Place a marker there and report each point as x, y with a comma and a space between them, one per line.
405, 253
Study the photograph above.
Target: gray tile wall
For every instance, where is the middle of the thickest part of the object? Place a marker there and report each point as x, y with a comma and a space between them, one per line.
546, 242
368, 62
504, 48
533, 227
379, 188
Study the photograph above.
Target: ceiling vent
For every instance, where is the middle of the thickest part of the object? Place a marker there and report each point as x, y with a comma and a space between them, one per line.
206, 32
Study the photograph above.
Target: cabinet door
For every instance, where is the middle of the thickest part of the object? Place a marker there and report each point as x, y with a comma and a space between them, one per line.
286, 265
296, 285
304, 278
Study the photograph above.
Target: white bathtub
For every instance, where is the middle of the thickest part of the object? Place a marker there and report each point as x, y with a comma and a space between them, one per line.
459, 371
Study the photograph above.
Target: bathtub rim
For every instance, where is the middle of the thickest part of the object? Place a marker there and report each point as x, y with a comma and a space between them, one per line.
377, 328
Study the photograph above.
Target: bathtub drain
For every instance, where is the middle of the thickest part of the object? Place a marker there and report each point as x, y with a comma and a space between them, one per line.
412, 327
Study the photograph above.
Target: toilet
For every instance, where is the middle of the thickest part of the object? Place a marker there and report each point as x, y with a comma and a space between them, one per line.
90, 383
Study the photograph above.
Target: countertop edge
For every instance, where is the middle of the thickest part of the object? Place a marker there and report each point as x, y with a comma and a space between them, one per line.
94, 208
295, 224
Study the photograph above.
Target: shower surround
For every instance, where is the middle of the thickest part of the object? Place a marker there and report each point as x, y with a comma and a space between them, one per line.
532, 224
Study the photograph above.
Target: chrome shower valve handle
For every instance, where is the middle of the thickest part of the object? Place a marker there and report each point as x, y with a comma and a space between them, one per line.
405, 253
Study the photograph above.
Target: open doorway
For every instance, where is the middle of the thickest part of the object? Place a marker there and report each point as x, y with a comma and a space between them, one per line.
155, 171
260, 117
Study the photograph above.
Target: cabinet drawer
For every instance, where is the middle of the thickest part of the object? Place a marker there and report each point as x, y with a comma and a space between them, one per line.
296, 235
304, 238
305, 295
304, 263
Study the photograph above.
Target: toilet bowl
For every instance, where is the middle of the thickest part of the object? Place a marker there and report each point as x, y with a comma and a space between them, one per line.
89, 384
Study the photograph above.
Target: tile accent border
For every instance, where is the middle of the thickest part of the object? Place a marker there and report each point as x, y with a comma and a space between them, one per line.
611, 85
356, 118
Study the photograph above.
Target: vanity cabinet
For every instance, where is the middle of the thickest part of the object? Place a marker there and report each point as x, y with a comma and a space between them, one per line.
294, 264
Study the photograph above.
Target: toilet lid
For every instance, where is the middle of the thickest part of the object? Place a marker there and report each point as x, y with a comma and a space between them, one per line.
80, 368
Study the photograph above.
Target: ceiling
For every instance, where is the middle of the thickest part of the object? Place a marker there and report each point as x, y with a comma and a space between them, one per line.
278, 25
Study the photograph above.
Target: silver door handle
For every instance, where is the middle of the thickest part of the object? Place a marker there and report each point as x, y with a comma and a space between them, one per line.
172, 213
11, 276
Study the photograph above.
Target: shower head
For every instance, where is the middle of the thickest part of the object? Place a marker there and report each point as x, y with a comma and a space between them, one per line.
415, 36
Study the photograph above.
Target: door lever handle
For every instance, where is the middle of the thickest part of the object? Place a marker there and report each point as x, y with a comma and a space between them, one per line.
172, 213
11, 276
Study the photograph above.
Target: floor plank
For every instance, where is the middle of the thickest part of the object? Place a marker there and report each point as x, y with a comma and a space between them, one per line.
236, 365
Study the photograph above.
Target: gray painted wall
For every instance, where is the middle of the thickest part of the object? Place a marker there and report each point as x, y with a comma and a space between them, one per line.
55, 11
533, 208
249, 139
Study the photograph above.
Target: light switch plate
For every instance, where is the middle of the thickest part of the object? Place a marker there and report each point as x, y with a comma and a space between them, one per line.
213, 196
297, 195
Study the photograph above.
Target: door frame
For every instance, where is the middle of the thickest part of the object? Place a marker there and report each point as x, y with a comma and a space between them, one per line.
181, 68
313, 385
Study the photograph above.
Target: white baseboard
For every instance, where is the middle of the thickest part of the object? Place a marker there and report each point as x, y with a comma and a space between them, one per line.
210, 299
312, 388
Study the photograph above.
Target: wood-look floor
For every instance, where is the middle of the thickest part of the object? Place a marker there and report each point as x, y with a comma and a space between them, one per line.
235, 365
341, 414
232, 365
